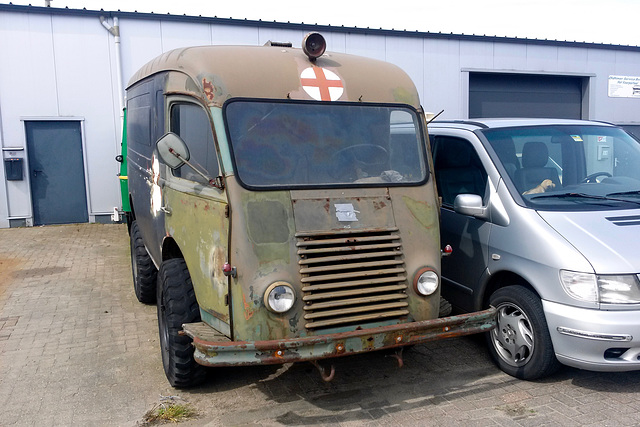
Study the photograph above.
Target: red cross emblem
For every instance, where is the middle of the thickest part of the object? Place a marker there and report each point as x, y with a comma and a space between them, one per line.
321, 84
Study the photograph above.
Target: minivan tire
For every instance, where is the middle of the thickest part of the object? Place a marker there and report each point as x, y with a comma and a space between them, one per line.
144, 271
520, 344
177, 305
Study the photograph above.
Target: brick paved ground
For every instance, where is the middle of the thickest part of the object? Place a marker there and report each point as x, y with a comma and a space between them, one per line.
76, 348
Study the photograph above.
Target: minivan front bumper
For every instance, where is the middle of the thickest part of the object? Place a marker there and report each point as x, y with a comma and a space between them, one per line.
211, 349
596, 340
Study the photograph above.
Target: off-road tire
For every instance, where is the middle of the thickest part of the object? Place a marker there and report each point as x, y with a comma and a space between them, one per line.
144, 271
519, 306
177, 305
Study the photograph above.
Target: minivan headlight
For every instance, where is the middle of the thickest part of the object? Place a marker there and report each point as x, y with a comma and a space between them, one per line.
279, 297
581, 286
608, 289
619, 289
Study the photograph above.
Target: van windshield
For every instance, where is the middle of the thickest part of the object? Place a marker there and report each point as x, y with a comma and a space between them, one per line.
564, 167
302, 144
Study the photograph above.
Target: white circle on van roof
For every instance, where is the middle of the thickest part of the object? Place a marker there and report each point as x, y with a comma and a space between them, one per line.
321, 84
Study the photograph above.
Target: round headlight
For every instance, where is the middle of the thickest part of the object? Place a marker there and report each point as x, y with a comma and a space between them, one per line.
426, 282
279, 297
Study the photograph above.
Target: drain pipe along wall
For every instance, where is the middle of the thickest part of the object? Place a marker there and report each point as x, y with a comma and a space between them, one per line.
115, 31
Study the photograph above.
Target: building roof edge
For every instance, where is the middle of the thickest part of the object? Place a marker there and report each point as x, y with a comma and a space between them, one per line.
309, 27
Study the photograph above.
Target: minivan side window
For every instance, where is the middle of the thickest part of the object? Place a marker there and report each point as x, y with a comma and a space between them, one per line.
458, 168
191, 123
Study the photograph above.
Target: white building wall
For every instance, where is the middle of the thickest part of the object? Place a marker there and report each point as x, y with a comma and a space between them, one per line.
232, 35
401, 52
63, 68
63, 64
28, 87
85, 90
572, 60
443, 81
141, 41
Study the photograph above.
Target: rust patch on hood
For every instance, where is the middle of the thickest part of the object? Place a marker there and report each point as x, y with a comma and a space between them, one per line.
248, 311
379, 205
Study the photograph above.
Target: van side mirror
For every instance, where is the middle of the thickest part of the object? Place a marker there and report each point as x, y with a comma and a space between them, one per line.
173, 150
470, 204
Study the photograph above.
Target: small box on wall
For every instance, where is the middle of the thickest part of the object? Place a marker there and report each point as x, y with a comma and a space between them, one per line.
13, 169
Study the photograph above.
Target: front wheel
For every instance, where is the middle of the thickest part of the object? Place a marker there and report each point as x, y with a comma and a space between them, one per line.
177, 305
520, 344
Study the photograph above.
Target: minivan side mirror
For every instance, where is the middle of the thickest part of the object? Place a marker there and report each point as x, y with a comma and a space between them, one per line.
173, 150
470, 204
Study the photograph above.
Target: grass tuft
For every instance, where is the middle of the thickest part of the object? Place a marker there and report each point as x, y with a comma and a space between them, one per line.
169, 413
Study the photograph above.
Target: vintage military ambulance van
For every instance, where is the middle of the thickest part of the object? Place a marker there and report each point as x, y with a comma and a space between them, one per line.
283, 208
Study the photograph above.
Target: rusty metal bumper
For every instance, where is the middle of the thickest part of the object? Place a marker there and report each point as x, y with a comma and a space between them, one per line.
211, 349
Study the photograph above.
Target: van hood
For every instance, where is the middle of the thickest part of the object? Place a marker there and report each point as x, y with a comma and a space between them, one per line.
608, 239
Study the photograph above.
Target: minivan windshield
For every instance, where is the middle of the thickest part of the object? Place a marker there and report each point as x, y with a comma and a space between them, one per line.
278, 144
568, 167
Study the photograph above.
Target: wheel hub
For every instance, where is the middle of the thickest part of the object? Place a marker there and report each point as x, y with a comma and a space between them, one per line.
513, 337
509, 335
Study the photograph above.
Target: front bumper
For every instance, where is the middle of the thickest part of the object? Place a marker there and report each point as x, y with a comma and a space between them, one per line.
595, 340
212, 349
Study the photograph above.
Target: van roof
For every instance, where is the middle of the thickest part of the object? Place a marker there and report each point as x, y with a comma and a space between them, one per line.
481, 123
222, 72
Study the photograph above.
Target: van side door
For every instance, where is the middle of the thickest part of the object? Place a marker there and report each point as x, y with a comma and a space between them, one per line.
196, 214
145, 103
459, 170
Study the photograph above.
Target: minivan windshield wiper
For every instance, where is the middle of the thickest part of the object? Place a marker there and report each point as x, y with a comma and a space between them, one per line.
625, 193
570, 195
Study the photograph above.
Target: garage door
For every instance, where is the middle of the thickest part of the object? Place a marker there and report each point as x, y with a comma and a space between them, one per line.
524, 95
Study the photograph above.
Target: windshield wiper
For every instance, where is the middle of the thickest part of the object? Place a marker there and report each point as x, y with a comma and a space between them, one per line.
568, 195
583, 196
625, 193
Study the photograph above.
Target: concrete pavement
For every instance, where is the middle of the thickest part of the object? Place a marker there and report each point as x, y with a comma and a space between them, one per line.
76, 348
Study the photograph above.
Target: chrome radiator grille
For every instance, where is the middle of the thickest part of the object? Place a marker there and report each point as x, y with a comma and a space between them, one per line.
351, 277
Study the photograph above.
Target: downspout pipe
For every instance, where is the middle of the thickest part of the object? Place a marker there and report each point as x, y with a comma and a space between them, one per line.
115, 31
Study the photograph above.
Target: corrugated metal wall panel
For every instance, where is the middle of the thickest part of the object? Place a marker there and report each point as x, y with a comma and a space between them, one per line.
401, 51
442, 77
28, 87
183, 34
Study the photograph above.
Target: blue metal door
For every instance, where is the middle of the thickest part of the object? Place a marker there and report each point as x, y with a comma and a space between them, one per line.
56, 170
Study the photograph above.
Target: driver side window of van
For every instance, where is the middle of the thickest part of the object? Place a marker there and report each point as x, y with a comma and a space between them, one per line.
191, 123
458, 168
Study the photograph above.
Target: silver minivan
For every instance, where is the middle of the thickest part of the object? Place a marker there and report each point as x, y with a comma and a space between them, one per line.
543, 220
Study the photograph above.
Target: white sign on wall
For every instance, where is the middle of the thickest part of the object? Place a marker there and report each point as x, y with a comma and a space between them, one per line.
624, 87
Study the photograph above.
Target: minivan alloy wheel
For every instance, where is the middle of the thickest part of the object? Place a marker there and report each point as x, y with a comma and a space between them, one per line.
513, 337
520, 344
